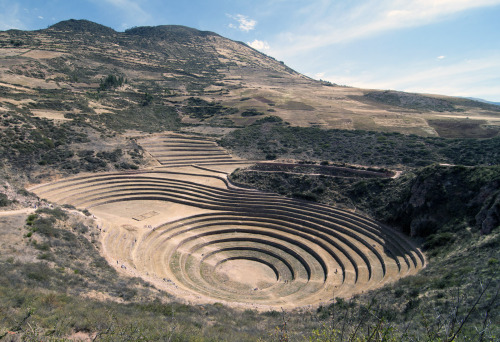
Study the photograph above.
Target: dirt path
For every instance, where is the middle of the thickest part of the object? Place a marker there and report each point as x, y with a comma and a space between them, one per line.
17, 212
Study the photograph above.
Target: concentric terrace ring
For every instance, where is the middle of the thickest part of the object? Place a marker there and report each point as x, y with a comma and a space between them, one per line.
243, 246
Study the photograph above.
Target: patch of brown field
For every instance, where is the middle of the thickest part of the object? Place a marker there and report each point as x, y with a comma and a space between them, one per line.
263, 99
81, 336
490, 118
295, 105
12, 231
28, 82
43, 54
11, 52
16, 87
100, 296
49, 114
100, 108
17, 102
465, 128
213, 88
399, 121
210, 130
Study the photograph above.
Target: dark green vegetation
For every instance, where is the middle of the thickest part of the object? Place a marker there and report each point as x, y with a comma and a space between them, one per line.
28, 142
71, 263
463, 128
204, 110
422, 102
251, 112
4, 200
146, 117
265, 140
111, 82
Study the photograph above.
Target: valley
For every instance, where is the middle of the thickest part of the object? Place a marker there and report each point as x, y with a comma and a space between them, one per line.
165, 183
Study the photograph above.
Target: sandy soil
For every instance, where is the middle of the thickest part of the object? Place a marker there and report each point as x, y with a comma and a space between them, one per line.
50, 114
252, 274
42, 54
17, 212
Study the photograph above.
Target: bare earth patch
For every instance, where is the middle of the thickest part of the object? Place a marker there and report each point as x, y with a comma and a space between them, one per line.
50, 114
249, 273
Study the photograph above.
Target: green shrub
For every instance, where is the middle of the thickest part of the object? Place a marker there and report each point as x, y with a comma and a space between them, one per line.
46, 256
56, 213
126, 166
45, 226
251, 112
439, 240
110, 82
42, 246
31, 218
4, 200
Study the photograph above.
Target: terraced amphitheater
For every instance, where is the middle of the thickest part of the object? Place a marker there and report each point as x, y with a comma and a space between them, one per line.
189, 231
173, 150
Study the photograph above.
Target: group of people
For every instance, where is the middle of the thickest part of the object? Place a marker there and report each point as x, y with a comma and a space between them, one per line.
148, 226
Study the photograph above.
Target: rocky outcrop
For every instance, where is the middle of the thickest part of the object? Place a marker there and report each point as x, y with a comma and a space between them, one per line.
440, 195
488, 218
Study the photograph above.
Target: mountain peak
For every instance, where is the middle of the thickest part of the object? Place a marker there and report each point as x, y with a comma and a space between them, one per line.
168, 32
81, 26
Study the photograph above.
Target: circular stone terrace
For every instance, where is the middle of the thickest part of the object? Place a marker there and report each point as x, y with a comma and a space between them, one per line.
183, 227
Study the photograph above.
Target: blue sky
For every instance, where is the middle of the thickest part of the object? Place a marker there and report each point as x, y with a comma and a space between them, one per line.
449, 47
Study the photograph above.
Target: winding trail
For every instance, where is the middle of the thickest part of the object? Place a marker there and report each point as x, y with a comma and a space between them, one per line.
17, 212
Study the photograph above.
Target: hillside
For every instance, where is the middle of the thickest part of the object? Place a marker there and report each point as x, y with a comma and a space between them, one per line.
166, 183
161, 67
69, 92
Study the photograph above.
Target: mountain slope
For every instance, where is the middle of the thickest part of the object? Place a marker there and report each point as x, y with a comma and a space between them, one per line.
173, 63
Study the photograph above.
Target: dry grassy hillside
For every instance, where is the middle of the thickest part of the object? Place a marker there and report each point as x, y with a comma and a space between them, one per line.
62, 70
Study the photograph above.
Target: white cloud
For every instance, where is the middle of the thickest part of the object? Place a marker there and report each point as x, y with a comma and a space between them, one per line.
40, 17
259, 45
319, 75
326, 25
329, 24
245, 24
